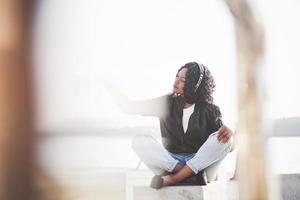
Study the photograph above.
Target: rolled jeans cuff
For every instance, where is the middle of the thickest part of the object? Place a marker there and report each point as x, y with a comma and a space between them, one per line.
190, 165
170, 169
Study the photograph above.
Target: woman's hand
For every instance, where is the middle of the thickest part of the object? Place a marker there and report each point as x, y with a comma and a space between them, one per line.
224, 134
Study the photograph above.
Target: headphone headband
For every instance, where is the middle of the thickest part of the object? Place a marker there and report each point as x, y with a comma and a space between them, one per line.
201, 71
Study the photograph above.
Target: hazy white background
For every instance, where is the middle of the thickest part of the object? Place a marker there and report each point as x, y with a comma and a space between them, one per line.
139, 45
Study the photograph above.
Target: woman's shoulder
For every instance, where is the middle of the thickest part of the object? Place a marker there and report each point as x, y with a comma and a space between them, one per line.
211, 108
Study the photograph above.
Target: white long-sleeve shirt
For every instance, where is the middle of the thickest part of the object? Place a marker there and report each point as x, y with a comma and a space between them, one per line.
187, 112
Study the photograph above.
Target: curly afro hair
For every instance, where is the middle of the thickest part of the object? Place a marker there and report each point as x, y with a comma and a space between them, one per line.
203, 93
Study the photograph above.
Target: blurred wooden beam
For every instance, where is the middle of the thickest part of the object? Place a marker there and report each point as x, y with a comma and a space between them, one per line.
16, 100
252, 173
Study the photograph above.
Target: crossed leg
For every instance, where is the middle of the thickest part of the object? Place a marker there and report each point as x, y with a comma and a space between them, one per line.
157, 158
208, 157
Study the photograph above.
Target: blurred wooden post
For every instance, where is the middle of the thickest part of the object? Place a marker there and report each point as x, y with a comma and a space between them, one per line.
16, 111
252, 175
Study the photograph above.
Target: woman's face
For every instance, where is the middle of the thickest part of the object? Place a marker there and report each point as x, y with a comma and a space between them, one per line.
179, 81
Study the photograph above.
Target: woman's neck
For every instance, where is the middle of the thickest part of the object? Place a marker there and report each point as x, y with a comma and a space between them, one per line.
187, 105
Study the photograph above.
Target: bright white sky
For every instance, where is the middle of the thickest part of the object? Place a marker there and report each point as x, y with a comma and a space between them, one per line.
139, 45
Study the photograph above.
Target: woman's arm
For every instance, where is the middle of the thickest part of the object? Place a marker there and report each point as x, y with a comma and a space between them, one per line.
224, 133
151, 107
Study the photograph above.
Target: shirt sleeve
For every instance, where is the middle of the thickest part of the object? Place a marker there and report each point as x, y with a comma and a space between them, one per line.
151, 107
215, 119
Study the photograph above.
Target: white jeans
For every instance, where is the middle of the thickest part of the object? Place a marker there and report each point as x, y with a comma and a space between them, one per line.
158, 159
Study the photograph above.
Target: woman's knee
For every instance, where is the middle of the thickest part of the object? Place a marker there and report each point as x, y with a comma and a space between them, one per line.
228, 144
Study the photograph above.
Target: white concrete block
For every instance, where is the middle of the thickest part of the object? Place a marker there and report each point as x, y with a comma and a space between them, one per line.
219, 190
290, 186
